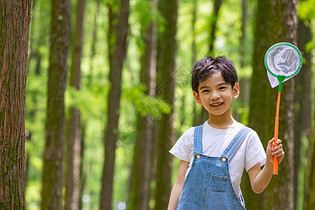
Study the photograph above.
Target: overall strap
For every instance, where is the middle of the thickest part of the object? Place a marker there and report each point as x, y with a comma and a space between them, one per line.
235, 143
198, 140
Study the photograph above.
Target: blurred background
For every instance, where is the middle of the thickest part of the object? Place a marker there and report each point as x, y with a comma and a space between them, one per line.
108, 93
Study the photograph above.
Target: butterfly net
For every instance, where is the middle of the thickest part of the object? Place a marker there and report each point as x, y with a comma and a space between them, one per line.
282, 59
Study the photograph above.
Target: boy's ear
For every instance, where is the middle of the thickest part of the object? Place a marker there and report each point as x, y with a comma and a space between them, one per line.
197, 97
236, 90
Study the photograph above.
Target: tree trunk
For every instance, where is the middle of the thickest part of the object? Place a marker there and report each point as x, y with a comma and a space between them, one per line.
243, 55
82, 171
74, 138
309, 191
94, 41
304, 100
31, 35
117, 53
253, 200
41, 41
193, 22
281, 24
194, 57
166, 92
304, 125
213, 24
141, 169
14, 32
28, 137
37, 34
55, 132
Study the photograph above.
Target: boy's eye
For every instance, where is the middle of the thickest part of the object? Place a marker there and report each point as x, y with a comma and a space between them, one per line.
222, 88
205, 91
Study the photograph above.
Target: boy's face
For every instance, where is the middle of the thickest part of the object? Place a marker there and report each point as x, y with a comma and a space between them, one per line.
216, 95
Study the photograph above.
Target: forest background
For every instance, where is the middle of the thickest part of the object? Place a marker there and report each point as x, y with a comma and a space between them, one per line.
105, 91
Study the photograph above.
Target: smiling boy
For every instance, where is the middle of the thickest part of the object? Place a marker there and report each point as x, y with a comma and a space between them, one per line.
214, 155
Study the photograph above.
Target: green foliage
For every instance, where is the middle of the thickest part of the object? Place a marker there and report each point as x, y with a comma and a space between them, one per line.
135, 100
89, 101
142, 13
306, 9
146, 104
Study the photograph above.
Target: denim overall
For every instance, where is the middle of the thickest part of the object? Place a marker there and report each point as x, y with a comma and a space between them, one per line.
208, 184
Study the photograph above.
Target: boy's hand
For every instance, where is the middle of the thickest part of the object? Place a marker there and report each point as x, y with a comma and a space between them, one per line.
274, 152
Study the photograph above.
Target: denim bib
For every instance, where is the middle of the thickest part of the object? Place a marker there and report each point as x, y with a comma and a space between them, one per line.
208, 184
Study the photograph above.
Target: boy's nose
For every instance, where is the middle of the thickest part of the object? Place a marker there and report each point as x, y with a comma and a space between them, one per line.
215, 96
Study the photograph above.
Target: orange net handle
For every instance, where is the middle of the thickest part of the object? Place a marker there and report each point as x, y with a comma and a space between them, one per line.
275, 159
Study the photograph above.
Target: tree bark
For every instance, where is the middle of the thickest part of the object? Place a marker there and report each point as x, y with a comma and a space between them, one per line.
82, 171
141, 169
304, 124
52, 175
166, 92
14, 35
74, 125
117, 52
280, 25
304, 100
253, 200
309, 190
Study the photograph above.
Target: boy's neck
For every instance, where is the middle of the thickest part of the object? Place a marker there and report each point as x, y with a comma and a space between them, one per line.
222, 122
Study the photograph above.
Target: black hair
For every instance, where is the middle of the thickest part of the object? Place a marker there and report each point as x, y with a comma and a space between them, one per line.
206, 67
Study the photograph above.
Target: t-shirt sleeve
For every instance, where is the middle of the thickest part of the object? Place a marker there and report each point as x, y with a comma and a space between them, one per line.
255, 152
184, 146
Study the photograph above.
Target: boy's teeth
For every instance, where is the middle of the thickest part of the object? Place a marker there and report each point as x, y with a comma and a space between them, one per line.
216, 104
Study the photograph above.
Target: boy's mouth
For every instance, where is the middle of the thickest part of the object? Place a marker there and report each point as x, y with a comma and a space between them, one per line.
216, 105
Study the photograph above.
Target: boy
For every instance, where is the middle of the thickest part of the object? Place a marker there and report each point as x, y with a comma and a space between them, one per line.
214, 155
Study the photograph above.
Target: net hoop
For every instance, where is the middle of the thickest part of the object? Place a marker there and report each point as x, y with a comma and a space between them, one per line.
296, 50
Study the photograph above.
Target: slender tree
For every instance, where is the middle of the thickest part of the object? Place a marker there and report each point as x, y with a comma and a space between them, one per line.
73, 145
38, 33
213, 24
141, 169
14, 32
94, 40
52, 175
117, 47
212, 36
166, 92
193, 26
83, 171
309, 191
303, 100
243, 61
280, 25
194, 54
304, 121
253, 200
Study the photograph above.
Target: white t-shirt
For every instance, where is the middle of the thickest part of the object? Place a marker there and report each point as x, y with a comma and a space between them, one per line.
214, 142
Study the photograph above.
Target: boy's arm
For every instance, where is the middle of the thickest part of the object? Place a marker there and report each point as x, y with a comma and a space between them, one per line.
260, 179
178, 186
